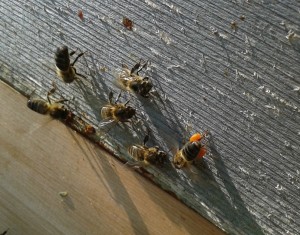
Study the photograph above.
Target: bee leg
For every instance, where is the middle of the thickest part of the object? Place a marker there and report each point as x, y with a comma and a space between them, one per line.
124, 66
132, 164
137, 165
146, 139
126, 102
51, 91
61, 100
81, 54
73, 52
194, 172
119, 98
135, 68
144, 66
80, 75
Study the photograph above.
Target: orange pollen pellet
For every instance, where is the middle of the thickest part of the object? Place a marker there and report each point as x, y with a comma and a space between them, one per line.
202, 152
195, 137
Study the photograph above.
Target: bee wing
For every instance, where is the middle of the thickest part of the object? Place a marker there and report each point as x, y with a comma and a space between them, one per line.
123, 79
106, 122
135, 152
124, 83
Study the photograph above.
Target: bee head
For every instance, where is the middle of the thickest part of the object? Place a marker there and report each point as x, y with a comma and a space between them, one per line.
130, 112
134, 86
162, 157
29, 103
63, 50
146, 86
125, 113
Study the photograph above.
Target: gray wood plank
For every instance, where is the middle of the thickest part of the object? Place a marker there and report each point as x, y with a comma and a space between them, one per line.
242, 85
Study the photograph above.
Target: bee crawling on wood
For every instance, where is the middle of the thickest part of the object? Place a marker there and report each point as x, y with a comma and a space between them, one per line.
116, 112
132, 81
64, 68
195, 148
145, 154
54, 109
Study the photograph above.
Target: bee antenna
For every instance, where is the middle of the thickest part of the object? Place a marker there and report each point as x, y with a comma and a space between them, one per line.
53, 90
146, 139
110, 97
135, 68
135, 165
73, 52
126, 102
81, 54
142, 67
118, 97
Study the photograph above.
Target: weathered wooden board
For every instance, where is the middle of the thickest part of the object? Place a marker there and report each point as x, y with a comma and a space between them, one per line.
41, 157
241, 84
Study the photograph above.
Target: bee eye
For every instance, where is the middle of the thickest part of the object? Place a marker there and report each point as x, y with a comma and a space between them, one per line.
195, 137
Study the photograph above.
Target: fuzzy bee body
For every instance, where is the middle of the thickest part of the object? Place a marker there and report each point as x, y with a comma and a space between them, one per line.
138, 152
190, 151
62, 58
116, 112
68, 75
64, 68
55, 110
145, 154
149, 155
131, 81
39, 106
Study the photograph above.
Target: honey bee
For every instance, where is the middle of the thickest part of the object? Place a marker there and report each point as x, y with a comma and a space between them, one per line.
116, 112
54, 109
146, 154
64, 68
191, 150
132, 81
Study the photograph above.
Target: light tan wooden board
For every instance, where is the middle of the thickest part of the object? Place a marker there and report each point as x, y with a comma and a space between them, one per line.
40, 157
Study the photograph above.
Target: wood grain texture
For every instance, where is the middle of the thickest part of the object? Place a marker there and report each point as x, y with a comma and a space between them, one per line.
40, 157
242, 85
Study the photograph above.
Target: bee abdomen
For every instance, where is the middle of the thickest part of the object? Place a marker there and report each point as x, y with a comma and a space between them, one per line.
191, 150
137, 152
62, 59
39, 106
